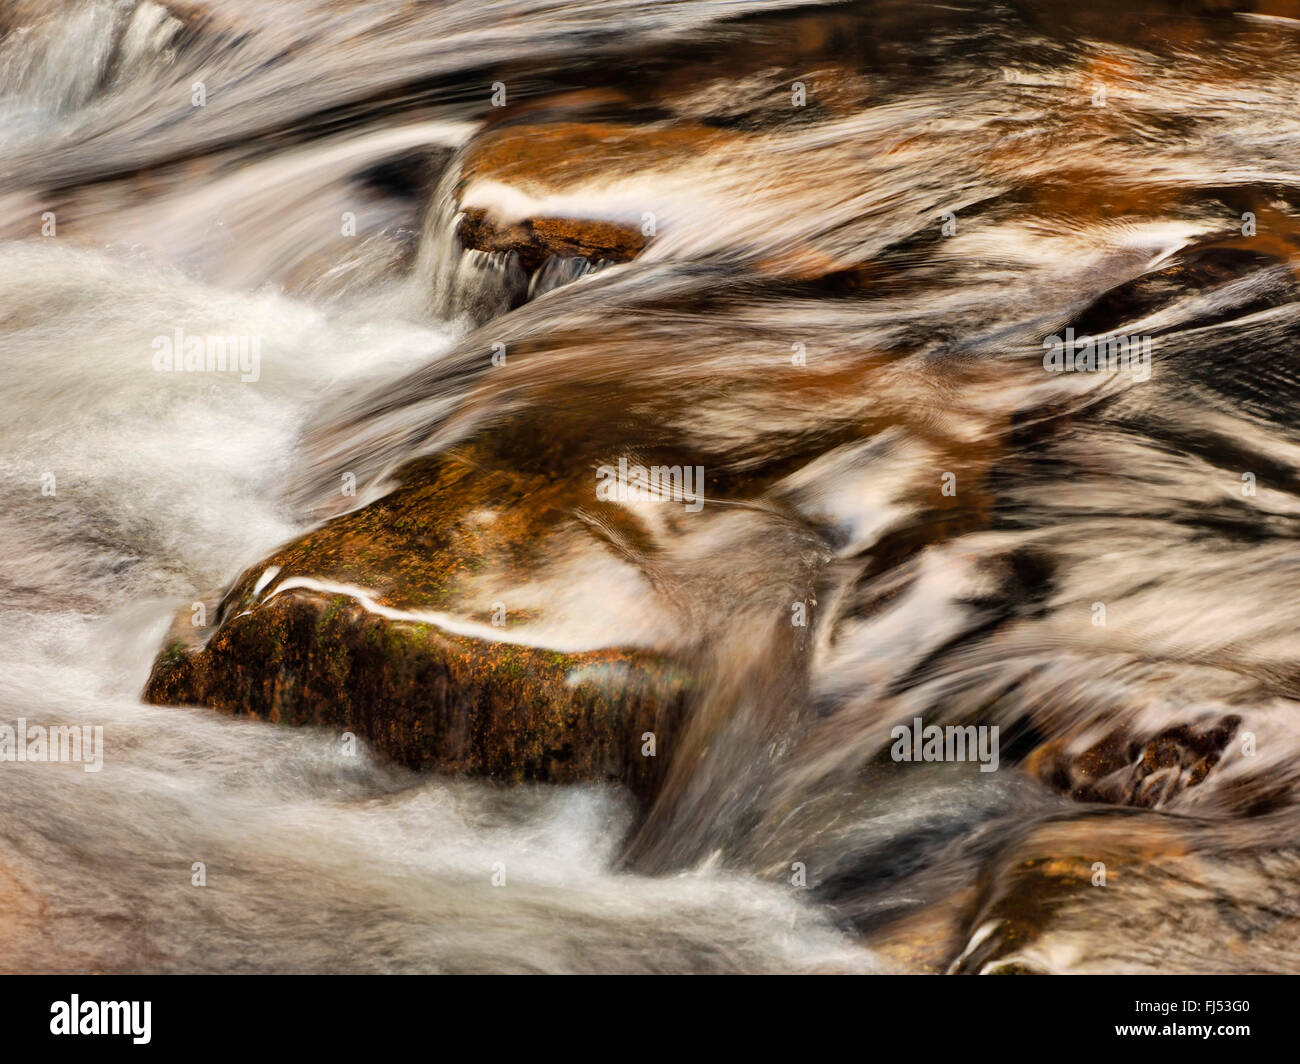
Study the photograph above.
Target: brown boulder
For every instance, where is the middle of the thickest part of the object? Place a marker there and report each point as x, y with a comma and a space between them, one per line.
378, 623
536, 160
535, 240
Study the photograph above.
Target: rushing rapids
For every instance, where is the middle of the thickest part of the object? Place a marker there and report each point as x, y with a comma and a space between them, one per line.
657, 406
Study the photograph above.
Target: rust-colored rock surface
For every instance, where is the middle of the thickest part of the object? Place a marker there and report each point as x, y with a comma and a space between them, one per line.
536, 239
1107, 891
561, 157
550, 157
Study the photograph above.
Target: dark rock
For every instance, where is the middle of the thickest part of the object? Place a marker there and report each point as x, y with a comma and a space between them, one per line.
1124, 768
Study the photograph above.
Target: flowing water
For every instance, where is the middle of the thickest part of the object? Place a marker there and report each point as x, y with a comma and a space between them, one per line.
964, 181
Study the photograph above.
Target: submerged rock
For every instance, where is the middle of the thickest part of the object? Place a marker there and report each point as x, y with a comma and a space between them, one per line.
1134, 892
545, 158
515, 182
1125, 768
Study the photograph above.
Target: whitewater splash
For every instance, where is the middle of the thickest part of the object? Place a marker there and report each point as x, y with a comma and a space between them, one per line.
948, 513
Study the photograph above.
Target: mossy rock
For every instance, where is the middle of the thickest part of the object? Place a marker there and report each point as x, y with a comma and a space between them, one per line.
429, 699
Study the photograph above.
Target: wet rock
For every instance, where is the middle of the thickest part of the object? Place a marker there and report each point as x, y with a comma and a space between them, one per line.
528, 163
427, 698
1182, 24
543, 158
383, 623
1127, 768
1263, 278
536, 240
1127, 891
